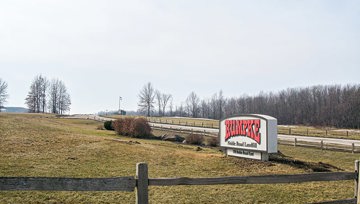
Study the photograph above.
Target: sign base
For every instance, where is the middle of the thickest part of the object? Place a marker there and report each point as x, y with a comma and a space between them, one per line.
263, 156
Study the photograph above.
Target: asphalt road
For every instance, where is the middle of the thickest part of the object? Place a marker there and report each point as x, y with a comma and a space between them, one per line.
290, 138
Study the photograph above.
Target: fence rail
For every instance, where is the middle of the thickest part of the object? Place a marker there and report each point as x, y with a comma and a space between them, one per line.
268, 179
141, 182
67, 184
321, 145
295, 142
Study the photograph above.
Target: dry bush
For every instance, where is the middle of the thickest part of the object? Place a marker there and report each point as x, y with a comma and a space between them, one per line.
119, 125
138, 127
213, 141
195, 139
127, 126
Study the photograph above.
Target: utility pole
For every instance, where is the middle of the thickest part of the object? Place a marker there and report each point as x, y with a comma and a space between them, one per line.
120, 98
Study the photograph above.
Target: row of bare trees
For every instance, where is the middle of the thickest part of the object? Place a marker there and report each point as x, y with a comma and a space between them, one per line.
3, 93
332, 105
48, 95
148, 97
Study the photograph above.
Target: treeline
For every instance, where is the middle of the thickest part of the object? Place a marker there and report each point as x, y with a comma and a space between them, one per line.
3, 93
332, 105
48, 96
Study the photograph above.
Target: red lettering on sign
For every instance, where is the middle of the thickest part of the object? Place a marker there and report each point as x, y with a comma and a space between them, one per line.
237, 130
245, 128
241, 132
257, 135
227, 132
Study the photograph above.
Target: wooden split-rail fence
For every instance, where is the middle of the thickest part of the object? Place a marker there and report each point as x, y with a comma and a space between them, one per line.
141, 182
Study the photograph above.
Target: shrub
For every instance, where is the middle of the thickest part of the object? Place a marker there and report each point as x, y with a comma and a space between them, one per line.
108, 125
132, 127
126, 126
213, 141
120, 126
195, 139
140, 128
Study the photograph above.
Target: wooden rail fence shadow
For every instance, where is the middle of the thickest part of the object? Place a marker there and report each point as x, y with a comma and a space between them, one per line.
141, 182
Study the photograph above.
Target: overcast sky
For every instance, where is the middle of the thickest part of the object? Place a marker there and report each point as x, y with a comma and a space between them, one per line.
103, 49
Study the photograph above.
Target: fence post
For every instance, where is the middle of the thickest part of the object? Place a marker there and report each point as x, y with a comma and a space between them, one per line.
289, 131
295, 142
353, 148
347, 133
322, 144
142, 195
307, 131
356, 182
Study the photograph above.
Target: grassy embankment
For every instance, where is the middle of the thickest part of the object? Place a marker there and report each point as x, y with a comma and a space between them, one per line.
42, 145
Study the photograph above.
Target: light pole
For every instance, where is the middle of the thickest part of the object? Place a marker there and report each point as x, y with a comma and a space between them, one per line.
120, 98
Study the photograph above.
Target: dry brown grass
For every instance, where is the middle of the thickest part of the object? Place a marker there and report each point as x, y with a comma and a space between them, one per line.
38, 145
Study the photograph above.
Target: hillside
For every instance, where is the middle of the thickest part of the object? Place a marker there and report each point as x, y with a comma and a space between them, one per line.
15, 110
42, 145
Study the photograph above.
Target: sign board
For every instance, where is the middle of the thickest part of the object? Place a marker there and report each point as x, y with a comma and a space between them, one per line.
250, 136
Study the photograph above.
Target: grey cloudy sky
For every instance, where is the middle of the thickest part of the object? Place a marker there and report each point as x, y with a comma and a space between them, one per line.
103, 49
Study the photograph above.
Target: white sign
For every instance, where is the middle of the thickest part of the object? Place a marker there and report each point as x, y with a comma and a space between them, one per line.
244, 153
255, 134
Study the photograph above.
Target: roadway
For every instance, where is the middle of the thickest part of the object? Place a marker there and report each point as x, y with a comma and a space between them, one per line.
282, 137
289, 138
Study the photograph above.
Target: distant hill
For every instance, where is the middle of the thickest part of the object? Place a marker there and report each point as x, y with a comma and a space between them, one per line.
14, 110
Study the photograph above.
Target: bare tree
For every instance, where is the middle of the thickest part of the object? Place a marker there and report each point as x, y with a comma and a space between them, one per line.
146, 99
64, 99
164, 101
54, 96
171, 107
192, 104
220, 104
204, 109
3, 93
36, 98
59, 99
158, 97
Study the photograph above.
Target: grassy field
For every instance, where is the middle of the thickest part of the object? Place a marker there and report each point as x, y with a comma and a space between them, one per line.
42, 145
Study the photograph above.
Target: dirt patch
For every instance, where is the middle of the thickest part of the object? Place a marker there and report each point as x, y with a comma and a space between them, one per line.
125, 142
308, 166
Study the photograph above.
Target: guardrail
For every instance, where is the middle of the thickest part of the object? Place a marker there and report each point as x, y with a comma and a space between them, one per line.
321, 145
141, 182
